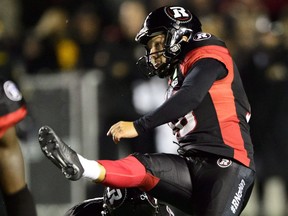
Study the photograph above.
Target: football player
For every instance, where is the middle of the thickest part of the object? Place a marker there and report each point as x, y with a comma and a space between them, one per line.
17, 197
208, 111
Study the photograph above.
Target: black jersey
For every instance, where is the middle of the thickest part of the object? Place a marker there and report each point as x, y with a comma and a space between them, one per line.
12, 105
206, 105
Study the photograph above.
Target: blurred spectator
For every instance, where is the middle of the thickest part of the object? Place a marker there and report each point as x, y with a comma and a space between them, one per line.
8, 52
10, 18
86, 29
153, 4
203, 8
9, 38
274, 8
283, 20
116, 58
48, 47
32, 11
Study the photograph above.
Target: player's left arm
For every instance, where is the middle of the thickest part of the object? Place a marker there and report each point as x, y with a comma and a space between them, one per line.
197, 83
195, 86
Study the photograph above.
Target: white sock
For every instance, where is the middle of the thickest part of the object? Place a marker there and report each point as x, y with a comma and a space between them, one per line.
91, 168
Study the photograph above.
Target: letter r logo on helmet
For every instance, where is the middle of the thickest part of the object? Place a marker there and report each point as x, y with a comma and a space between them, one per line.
178, 13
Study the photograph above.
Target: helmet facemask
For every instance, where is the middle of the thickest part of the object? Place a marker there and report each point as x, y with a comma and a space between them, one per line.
174, 40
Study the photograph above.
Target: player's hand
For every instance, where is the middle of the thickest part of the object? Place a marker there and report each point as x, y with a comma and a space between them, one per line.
121, 130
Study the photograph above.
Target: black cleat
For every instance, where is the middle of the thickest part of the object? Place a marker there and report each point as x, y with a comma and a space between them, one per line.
65, 158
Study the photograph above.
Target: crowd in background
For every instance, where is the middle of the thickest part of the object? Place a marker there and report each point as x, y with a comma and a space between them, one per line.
64, 36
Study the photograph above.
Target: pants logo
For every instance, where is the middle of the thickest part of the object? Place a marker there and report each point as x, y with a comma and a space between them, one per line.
224, 163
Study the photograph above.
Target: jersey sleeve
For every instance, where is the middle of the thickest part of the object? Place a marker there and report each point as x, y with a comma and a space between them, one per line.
195, 86
12, 105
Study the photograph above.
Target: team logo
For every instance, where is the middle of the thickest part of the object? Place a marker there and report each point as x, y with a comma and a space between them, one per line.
115, 197
11, 91
201, 36
224, 163
178, 14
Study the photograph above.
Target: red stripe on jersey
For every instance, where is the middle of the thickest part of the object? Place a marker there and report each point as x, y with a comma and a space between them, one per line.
229, 124
223, 98
11, 119
211, 51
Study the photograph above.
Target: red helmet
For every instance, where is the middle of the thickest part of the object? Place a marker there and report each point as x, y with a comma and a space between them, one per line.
173, 21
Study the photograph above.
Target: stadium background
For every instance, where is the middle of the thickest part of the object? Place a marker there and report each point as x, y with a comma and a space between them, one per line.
75, 63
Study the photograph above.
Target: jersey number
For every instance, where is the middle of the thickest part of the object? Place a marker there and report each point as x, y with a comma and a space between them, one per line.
184, 125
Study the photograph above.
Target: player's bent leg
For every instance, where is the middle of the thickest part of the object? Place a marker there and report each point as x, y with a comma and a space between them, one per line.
164, 176
127, 172
131, 171
175, 185
72, 165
